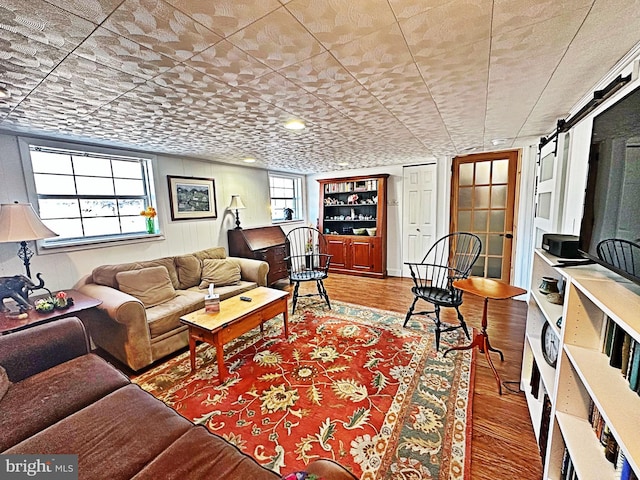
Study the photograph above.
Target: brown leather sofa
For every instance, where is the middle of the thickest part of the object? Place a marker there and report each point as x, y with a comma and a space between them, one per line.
141, 324
58, 398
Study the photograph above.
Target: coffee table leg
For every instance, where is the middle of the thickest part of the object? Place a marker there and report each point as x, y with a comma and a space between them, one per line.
192, 351
222, 370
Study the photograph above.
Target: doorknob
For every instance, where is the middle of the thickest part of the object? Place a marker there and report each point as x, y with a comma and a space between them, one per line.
506, 235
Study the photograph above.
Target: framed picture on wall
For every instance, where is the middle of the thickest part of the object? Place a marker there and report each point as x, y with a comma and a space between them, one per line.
192, 198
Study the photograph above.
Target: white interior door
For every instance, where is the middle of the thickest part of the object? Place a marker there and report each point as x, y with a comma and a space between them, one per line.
549, 181
418, 213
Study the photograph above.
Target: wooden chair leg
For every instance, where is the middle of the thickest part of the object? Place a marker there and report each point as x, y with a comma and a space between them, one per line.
438, 327
323, 292
295, 297
410, 311
463, 324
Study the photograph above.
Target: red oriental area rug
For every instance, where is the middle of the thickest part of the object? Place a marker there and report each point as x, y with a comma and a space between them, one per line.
349, 384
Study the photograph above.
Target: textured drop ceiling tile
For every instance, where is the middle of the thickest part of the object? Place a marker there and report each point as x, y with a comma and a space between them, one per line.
336, 22
608, 38
278, 40
325, 78
160, 27
447, 27
23, 65
404, 9
45, 23
76, 88
115, 51
376, 53
513, 14
93, 10
538, 48
536, 40
458, 81
228, 63
225, 17
276, 90
189, 82
403, 93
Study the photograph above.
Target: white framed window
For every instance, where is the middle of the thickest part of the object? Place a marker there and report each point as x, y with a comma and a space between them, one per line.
87, 195
285, 192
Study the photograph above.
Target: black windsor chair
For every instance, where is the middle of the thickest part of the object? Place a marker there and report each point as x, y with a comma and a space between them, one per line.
307, 261
448, 260
622, 254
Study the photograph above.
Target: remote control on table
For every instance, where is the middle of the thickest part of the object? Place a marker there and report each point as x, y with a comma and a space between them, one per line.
245, 299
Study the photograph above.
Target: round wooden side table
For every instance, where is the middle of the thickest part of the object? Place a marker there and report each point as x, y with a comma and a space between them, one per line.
488, 289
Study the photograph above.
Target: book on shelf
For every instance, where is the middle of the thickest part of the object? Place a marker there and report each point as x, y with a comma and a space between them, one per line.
617, 342
632, 348
634, 366
623, 352
611, 447
567, 470
603, 433
534, 382
608, 337
623, 469
545, 422
626, 351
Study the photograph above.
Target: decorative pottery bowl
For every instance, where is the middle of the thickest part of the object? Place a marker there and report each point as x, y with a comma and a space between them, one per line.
44, 307
372, 231
359, 231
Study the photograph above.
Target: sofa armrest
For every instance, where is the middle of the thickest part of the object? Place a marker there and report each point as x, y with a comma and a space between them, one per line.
36, 349
119, 306
253, 270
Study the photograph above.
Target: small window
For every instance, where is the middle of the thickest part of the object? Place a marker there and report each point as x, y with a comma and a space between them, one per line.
286, 197
88, 197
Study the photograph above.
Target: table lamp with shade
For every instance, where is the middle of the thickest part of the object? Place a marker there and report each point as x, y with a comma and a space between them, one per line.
20, 223
236, 204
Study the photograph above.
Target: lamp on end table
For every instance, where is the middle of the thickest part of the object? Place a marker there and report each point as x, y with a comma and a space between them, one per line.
236, 204
20, 223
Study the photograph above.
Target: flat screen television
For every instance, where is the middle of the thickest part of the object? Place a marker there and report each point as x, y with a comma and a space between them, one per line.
612, 197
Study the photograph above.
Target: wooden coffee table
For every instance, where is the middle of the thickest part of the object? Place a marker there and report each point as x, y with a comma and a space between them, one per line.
235, 318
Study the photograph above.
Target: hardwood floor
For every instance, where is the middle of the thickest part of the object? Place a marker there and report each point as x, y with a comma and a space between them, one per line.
503, 443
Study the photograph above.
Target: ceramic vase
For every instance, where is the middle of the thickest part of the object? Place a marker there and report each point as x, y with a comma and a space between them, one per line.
548, 285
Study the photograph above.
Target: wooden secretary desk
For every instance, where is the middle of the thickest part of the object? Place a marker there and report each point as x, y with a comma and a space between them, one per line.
265, 243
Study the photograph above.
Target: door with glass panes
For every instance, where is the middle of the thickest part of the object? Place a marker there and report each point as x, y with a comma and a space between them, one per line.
483, 188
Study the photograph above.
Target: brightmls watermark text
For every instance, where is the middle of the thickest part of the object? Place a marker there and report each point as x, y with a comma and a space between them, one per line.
49, 467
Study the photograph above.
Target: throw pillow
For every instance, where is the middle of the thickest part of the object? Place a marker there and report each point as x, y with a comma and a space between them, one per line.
220, 272
152, 285
214, 252
5, 383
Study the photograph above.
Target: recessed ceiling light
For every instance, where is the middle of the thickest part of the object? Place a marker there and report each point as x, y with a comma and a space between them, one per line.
498, 141
249, 160
295, 125
470, 149
4, 93
342, 164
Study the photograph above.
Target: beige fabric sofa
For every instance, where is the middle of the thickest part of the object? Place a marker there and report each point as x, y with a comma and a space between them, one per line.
138, 321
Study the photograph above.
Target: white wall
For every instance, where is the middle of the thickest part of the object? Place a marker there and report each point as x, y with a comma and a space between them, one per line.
62, 270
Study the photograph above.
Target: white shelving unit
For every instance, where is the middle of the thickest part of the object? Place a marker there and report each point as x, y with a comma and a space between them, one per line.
582, 375
540, 311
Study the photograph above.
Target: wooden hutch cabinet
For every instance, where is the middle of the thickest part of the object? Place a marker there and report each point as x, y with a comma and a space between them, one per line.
266, 243
353, 217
